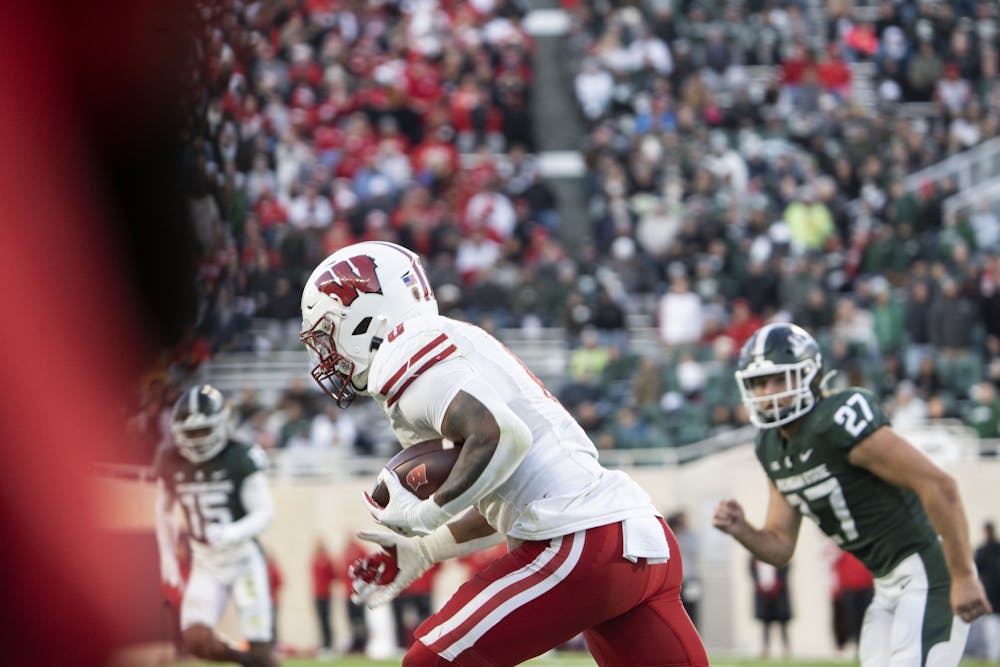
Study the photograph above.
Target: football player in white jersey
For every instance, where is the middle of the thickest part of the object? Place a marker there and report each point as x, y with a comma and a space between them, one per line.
587, 551
222, 489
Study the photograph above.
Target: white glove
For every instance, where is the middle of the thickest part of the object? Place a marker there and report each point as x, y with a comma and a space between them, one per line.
219, 535
170, 572
405, 514
379, 577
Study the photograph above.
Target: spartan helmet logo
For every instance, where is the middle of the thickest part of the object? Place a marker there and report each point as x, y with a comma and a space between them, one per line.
798, 342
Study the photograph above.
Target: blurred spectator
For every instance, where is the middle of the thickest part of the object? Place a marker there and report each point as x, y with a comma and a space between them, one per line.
628, 431
357, 625
853, 589
951, 319
742, 323
983, 413
918, 306
594, 88
412, 607
690, 546
888, 377
590, 358
726, 164
760, 288
861, 40
334, 431
854, 325
908, 410
809, 220
608, 318
927, 380
771, 604
987, 558
680, 315
986, 226
833, 72
255, 428
952, 90
323, 572
275, 582
888, 317
923, 72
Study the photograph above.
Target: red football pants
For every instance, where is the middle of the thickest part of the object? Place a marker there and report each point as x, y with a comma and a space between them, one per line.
544, 593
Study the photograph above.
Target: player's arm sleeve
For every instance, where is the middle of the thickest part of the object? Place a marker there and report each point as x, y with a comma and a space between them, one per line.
256, 497
438, 392
166, 534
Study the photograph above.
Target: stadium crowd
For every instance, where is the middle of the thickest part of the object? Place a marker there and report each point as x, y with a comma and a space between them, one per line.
733, 177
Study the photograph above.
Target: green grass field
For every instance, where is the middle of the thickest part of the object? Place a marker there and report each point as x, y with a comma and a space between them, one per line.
567, 660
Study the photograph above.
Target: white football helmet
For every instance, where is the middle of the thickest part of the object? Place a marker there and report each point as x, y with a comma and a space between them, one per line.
200, 423
351, 300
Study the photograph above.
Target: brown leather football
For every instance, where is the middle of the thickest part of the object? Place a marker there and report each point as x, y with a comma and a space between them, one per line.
422, 468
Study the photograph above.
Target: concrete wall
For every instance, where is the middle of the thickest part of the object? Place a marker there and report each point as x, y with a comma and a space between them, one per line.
307, 510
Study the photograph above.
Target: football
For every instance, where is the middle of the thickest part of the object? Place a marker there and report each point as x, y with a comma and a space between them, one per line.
422, 468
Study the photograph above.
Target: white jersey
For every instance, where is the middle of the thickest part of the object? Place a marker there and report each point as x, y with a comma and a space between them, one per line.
559, 487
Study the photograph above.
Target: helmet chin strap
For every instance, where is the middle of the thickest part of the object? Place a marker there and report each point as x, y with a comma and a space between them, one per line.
379, 335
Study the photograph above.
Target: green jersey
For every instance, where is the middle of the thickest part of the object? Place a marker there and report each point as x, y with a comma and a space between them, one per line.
878, 522
209, 491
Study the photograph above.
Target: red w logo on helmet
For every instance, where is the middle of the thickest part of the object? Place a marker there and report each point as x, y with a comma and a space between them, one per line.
417, 477
350, 278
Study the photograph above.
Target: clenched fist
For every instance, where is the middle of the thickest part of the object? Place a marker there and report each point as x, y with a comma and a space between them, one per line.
729, 517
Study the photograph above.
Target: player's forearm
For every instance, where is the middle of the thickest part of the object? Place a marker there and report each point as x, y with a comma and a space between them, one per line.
256, 497
166, 530
250, 525
486, 462
477, 452
766, 545
473, 526
944, 506
467, 534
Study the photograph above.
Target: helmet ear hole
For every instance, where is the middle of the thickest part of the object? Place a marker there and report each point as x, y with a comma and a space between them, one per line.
362, 327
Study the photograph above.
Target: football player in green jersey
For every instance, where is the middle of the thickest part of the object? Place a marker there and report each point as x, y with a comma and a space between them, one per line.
222, 489
835, 459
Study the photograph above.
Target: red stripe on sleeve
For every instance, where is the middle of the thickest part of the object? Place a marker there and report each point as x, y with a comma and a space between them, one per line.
446, 352
402, 369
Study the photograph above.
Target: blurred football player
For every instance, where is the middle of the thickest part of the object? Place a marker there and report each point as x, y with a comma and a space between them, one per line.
835, 459
222, 489
587, 551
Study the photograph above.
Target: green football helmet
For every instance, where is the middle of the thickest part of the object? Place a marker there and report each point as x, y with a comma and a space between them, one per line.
775, 349
200, 423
